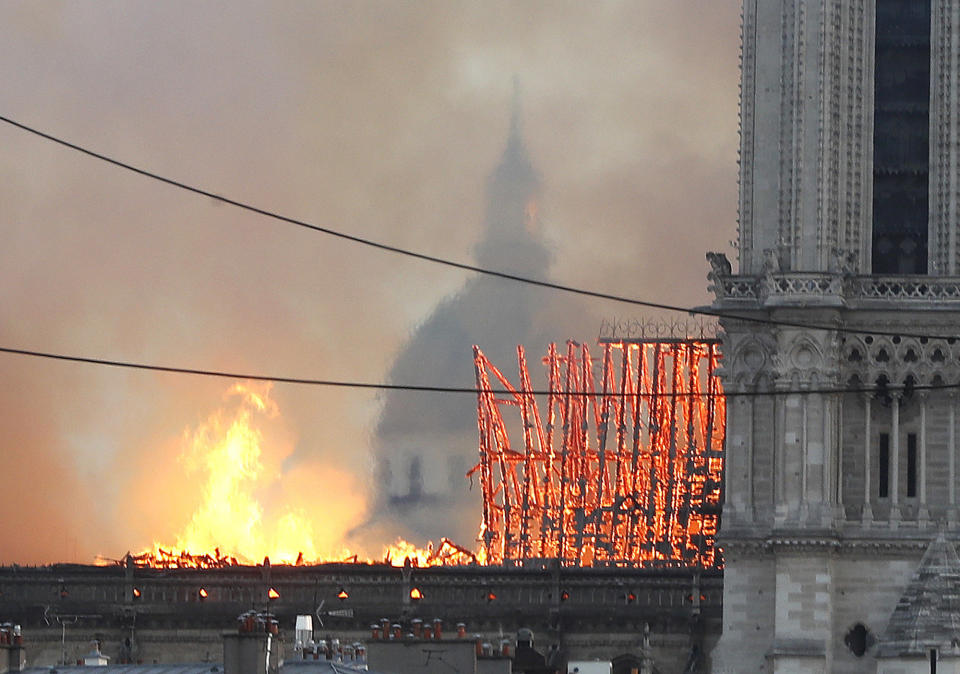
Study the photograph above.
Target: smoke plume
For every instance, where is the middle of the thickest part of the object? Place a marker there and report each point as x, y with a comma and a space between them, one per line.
377, 118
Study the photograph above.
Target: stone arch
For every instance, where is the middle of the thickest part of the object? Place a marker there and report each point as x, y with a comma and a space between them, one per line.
750, 355
805, 354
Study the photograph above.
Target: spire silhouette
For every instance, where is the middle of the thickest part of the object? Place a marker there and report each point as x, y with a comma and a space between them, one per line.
511, 241
515, 168
516, 112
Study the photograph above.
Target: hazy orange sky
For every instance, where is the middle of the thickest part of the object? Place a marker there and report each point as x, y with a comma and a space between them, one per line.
381, 119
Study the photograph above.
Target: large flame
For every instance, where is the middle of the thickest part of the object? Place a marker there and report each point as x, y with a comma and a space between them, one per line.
227, 451
251, 509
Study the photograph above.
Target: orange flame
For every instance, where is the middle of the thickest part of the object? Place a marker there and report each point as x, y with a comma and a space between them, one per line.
622, 467
448, 554
239, 468
230, 453
239, 474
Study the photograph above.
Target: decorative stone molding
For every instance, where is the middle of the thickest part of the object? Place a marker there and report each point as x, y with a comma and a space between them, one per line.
799, 288
899, 360
814, 544
737, 287
944, 135
817, 88
791, 126
835, 543
856, 157
748, 65
748, 359
805, 357
907, 288
733, 545
836, 288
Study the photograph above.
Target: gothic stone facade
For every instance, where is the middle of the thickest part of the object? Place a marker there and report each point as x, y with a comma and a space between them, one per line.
849, 185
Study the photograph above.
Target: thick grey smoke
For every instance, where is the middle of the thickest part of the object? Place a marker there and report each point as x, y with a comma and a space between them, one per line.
379, 118
425, 443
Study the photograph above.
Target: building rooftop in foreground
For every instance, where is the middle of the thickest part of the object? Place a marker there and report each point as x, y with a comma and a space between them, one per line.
290, 667
199, 668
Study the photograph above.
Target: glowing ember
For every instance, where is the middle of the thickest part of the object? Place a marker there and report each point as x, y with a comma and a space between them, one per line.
447, 554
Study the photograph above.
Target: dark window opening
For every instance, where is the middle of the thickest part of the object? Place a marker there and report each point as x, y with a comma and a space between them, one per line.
911, 465
883, 466
858, 640
933, 661
901, 137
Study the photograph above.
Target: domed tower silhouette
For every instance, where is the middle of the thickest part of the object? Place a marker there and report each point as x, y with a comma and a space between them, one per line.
426, 442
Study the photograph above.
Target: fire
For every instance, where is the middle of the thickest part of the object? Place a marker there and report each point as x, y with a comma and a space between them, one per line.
240, 518
447, 554
229, 452
622, 466
247, 508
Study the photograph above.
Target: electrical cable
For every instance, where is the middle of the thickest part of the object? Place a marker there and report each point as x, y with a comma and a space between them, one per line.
332, 383
696, 311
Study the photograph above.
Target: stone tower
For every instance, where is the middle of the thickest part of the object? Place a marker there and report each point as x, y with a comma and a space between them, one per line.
849, 197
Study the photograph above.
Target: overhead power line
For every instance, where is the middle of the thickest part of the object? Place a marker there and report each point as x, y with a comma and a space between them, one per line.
698, 311
333, 383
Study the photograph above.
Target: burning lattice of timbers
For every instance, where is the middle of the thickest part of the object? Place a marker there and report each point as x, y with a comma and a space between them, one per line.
619, 461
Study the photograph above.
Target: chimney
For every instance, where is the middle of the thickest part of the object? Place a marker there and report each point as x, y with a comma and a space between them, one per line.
13, 657
95, 658
253, 651
303, 634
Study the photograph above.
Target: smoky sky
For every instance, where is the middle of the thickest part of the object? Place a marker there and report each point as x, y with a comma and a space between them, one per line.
381, 119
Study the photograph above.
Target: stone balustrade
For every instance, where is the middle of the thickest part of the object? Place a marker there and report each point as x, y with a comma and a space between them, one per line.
781, 288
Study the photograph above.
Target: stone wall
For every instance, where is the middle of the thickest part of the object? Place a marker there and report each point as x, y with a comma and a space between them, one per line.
587, 612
